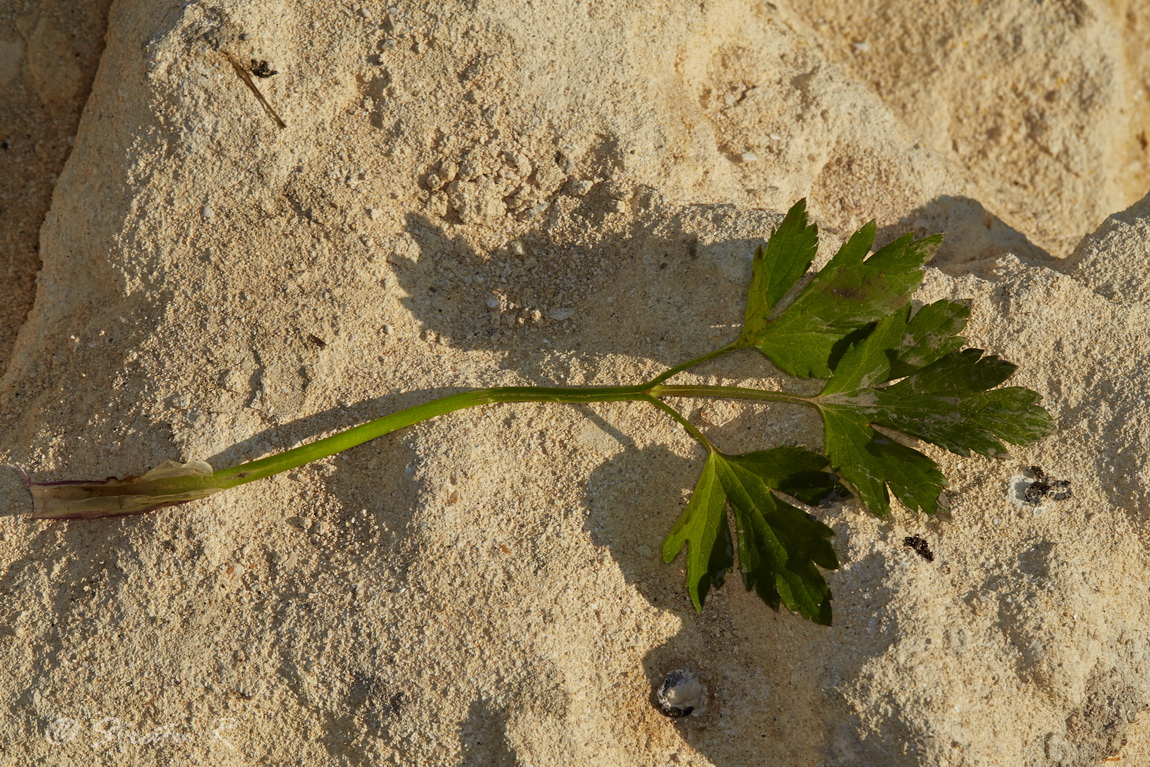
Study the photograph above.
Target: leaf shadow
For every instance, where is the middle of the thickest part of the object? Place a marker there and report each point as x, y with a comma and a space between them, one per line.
483, 737
632, 292
973, 235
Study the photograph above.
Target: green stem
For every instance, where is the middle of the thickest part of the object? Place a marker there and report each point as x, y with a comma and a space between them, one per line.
95, 499
690, 427
691, 363
357, 435
730, 392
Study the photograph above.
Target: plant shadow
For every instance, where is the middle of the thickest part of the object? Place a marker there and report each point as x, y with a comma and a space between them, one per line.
541, 297
973, 236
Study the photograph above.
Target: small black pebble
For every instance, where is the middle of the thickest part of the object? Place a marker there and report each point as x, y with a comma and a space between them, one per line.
1044, 486
260, 69
920, 547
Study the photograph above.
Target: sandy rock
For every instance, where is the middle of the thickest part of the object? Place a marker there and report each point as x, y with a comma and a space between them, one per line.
1044, 105
1115, 260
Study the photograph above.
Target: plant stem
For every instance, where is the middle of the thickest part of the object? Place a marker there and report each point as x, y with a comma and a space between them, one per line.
136, 495
690, 427
730, 392
691, 363
357, 435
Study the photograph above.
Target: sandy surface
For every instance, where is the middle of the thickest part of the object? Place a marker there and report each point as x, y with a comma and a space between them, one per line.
483, 193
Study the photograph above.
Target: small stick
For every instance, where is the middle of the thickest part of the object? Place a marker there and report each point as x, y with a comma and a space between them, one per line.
243, 73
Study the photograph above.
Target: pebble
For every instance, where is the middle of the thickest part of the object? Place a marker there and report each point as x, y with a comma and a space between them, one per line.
581, 187
681, 694
561, 314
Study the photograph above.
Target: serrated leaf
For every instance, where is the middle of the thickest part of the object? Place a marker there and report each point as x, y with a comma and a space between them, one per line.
930, 335
1013, 414
796, 471
780, 547
868, 361
778, 265
869, 462
849, 293
703, 528
899, 345
950, 402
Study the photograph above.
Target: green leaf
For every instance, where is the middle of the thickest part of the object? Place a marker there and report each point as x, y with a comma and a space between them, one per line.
796, 471
900, 345
869, 462
949, 401
780, 548
778, 265
779, 545
703, 525
930, 335
868, 361
848, 294
1013, 414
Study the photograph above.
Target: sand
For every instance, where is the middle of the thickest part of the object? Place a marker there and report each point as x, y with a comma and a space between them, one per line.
483, 193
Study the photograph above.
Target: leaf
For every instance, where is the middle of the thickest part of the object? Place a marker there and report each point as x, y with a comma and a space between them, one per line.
900, 345
950, 401
868, 462
931, 334
703, 525
848, 294
868, 361
778, 265
780, 547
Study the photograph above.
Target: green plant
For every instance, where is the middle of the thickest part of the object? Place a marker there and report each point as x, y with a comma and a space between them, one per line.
888, 370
